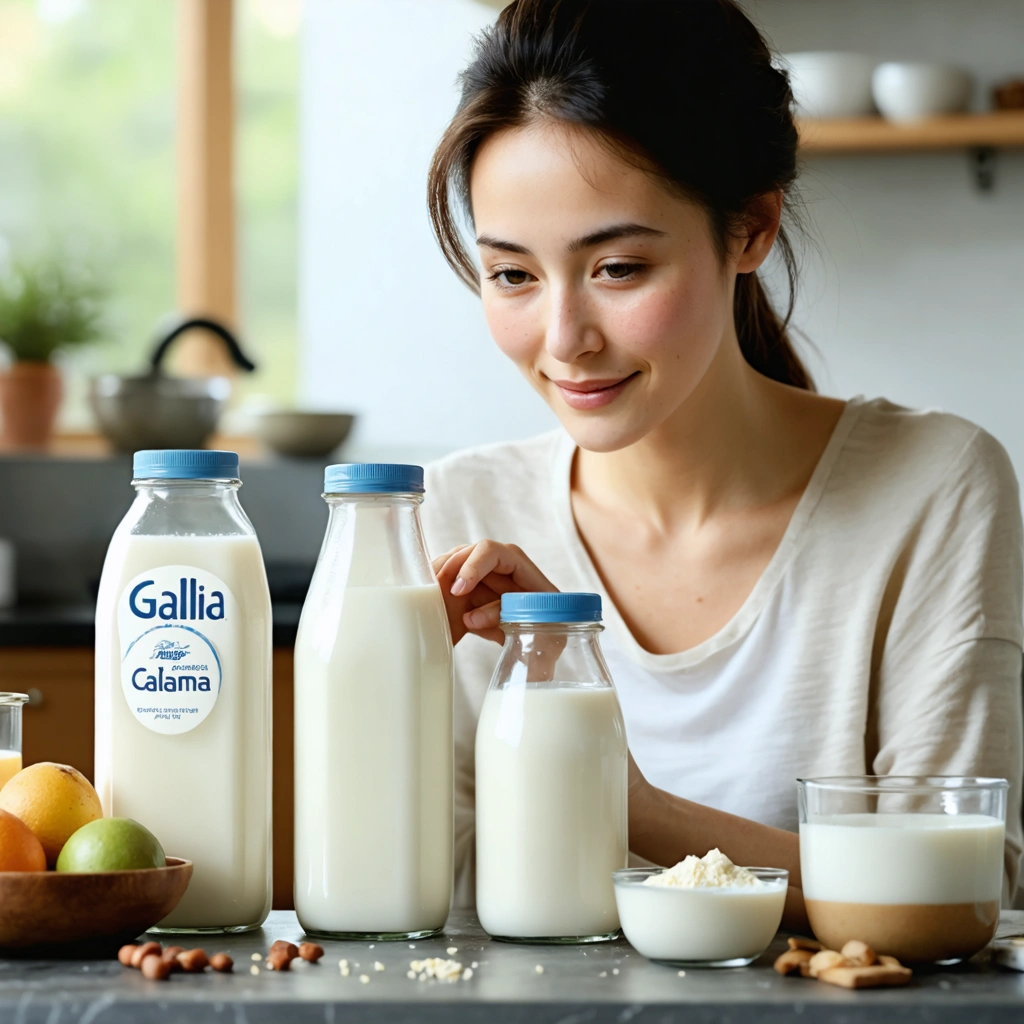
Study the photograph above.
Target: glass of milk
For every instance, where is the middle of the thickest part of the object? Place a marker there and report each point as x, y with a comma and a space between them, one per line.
10, 734
911, 865
183, 684
551, 777
373, 719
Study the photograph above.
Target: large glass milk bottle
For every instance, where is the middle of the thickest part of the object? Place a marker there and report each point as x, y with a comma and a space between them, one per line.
183, 684
551, 777
373, 719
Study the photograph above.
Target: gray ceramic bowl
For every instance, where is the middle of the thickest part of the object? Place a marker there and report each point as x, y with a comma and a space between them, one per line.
302, 434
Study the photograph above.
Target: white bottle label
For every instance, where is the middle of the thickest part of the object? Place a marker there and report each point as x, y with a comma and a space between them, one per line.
177, 627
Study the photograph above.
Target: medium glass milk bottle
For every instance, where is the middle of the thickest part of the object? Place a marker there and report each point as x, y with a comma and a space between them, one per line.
373, 719
183, 684
551, 777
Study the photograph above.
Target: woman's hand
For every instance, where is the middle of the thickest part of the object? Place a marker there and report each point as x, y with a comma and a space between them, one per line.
472, 580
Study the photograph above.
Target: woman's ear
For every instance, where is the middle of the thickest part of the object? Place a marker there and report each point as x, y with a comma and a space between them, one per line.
759, 231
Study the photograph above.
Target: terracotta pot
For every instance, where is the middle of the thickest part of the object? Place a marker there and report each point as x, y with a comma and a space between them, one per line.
30, 395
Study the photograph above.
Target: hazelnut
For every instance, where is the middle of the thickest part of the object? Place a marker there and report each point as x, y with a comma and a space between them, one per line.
311, 951
155, 967
146, 949
193, 961
222, 962
124, 954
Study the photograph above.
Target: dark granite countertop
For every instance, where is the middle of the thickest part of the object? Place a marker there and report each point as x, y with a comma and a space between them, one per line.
579, 985
72, 626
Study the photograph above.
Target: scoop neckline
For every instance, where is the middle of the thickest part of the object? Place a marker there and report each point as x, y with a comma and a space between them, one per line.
746, 615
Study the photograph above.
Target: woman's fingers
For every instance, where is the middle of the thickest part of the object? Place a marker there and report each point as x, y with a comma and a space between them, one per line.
484, 622
489, 557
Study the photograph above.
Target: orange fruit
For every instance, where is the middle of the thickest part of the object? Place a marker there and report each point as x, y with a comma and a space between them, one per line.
54, 800
19, 848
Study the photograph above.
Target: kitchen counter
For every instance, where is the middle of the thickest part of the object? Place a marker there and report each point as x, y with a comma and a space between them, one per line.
505, 987
72, 626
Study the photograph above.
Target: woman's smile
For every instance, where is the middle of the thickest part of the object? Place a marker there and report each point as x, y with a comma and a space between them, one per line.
593, 394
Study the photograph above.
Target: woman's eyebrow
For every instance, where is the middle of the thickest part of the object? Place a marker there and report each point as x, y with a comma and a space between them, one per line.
609, 234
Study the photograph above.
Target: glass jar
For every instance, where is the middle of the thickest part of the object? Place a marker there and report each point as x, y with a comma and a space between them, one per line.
551, 777
373, 719
183, 684
911, 865
10, 734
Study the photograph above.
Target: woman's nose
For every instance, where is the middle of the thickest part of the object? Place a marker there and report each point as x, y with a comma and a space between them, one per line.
571, 331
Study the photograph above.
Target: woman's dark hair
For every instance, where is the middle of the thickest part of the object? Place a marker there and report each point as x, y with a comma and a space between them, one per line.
683, 88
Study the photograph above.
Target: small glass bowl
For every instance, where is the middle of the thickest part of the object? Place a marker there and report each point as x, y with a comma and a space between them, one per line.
700, 927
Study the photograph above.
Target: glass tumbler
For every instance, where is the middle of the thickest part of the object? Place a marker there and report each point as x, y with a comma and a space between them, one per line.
911, 865
10, 734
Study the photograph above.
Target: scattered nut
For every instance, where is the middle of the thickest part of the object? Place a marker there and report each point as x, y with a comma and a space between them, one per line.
889, 961
796, 942
146, 949
792, 960
311, 951
279, 960
825, 959
860, 954
866, 977
283, 946
170, 956
125, 953
155, 967
222, 962
193, 961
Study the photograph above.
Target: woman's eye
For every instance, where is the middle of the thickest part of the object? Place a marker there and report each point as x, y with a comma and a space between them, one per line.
510, 278
621, 271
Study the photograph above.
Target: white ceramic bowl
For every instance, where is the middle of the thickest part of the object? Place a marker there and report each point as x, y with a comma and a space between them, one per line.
700, 927
830, 84
910, 92
302, 434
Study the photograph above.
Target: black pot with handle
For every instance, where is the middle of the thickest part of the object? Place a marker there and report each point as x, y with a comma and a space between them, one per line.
158, 411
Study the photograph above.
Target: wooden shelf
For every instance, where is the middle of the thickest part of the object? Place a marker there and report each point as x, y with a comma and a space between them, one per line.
997, 130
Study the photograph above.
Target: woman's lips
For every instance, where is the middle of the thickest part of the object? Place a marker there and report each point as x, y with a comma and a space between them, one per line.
591, 394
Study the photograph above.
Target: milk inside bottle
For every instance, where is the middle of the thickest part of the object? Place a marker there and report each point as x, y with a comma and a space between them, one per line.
373, 719
183, 684
551, 777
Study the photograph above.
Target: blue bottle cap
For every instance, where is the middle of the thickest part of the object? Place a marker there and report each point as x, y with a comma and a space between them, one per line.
550, 607
373, 478
185, 464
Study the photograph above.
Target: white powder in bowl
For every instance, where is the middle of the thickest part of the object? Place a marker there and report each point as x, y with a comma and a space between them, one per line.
712, 871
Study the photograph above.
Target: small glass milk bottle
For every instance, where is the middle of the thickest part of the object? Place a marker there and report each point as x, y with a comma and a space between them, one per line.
373, 719
551, 777
183, 684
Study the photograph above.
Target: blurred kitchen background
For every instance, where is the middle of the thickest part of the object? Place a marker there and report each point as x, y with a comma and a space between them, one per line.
261, 163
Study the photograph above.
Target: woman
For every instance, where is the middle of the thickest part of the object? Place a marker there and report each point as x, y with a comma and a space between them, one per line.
794, 585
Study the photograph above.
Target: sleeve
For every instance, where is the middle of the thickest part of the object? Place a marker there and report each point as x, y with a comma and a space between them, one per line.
949, 661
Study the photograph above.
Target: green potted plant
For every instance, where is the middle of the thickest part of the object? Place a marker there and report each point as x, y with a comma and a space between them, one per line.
46, 305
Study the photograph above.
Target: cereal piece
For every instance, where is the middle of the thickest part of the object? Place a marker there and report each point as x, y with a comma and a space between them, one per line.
681, 974
146, 949
539, 969
155, 967
411, 975
474, 965
364, 978
257, 957
826, 959
792, 960
125, 953
193, 961
859, 954
222, 962
603, 974
343, 962
797, 942
467, 974
615, 970
377, 965
254, 970
876, 976
311, 951
452, 950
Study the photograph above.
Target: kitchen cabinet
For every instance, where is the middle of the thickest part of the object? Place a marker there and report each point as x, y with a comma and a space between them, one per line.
58, 726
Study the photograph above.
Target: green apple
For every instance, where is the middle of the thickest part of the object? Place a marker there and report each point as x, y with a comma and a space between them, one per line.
111, 844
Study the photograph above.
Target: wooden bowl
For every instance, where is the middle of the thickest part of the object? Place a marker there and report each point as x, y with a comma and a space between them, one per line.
52, 908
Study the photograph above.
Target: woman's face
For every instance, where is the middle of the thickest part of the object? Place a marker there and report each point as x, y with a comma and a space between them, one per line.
602, 287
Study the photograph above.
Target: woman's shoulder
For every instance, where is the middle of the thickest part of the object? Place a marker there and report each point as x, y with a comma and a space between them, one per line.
925, 452
486, 490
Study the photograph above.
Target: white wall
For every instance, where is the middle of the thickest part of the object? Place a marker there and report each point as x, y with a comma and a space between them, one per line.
918, 293
387, 329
